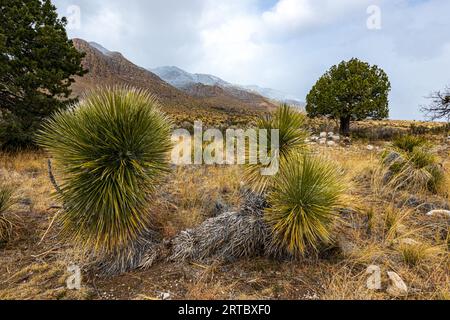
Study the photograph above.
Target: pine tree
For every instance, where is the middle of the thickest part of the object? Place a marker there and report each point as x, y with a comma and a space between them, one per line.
37, 65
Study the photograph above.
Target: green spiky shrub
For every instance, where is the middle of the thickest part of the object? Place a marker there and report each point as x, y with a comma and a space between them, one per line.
413, 165
408, 143
6, 202
305, 194
110, 150
290, 124
421, 171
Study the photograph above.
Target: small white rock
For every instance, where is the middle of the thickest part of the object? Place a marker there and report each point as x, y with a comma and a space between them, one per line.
165, 296
323, 141
442, 213
323, 135
331, 143
370, 147
330, 134
397, 288
336, 138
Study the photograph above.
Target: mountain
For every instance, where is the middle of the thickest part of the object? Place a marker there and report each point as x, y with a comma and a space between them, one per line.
112, 68
184, 80
209, 87
275, 95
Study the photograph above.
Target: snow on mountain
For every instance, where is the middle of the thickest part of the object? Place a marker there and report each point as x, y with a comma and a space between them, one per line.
183, 79
100, 48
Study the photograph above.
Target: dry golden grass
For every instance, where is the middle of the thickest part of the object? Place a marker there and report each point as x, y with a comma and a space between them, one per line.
28, 171
377, 223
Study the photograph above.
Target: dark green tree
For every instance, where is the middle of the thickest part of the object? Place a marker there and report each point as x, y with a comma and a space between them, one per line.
37, 65
352, 90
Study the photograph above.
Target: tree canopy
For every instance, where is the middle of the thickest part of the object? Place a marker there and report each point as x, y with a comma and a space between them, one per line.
37, 65
352, 90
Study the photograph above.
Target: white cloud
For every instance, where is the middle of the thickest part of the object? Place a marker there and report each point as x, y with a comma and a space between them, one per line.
286, 46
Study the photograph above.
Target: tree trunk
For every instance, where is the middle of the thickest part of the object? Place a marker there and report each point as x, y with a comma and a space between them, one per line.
345, 126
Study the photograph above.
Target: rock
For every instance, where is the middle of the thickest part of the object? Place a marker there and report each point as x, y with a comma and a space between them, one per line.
392, 157
336, 138
370, 147
165, 295
397, 288
314, 138
346, 247
323, 141
323, 135
331, 143
439, 213
413, 202
330, 134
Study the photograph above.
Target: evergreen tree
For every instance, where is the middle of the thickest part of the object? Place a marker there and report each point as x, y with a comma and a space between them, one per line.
37, 65
352, 90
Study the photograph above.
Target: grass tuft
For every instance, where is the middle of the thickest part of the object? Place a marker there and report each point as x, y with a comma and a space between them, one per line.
6, 202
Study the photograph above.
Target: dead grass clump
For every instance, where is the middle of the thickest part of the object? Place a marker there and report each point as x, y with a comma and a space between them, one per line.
227, 237
414, 254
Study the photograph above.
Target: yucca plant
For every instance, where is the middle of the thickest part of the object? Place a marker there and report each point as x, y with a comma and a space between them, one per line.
110, 150
417, 170
408, 143
292, 134
6, 202
305, 194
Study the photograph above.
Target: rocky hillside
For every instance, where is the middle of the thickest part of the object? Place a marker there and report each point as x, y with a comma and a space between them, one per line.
112, 68
217, 95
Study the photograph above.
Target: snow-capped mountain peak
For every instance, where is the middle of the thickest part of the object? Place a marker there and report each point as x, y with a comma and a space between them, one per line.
182, 79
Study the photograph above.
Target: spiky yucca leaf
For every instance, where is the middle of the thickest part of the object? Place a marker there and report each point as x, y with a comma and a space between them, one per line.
111, 150
292, 134
6, 197
302, 203
408, 143
416, 170
6, 201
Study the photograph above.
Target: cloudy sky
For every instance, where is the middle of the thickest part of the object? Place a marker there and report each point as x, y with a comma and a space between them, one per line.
282, 44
